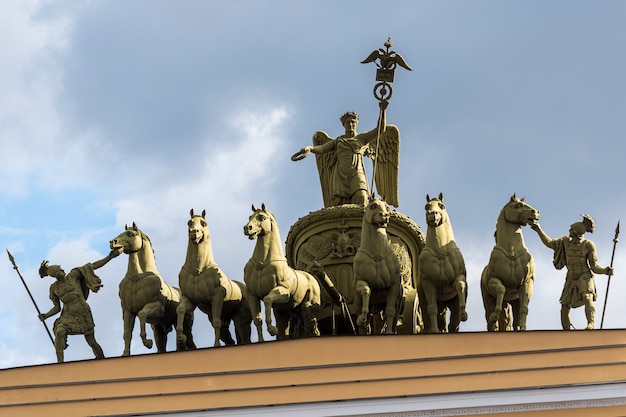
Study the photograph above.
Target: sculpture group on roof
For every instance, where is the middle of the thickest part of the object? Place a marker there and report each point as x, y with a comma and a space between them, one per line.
353, 267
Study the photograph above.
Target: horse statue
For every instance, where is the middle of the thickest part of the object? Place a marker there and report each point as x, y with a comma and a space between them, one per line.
204, 285
289, 293
507, 281
144, 294
442, 276
377, 269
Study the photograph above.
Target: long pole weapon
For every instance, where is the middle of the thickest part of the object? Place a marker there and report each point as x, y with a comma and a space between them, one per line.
17, 268
608, 282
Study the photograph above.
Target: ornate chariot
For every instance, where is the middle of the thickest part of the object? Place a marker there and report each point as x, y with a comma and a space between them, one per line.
331, 237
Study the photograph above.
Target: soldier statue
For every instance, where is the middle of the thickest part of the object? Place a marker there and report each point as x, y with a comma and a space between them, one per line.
72, 289
579, 256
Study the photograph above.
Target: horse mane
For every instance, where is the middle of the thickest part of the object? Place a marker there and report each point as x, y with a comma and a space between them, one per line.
513, 199
146, 238
500, 219
274, 221
271, 215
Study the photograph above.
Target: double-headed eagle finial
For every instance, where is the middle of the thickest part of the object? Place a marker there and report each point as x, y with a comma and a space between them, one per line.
386, 60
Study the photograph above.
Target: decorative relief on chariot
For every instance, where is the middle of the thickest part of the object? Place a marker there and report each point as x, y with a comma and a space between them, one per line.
406, 263
339, 244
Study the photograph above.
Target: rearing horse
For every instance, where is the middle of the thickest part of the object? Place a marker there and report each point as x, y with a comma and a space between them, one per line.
144, 293
377, 268
442, 275
204, 285
510, 274
267, 275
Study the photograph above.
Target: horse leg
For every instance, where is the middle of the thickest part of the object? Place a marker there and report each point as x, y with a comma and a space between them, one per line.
496, 287
313, 301
399, 307
311, 320
242, 318
255, 311
225, 335
455, 315
129, 325
430, 293
217, 310
442, 316
184, 307
160, 338
278, 295
308, 314
149, 312
243, 334
363, 292
283, 320
514, 307
187, 325
460, 285
525, 293
242, 322
394, 296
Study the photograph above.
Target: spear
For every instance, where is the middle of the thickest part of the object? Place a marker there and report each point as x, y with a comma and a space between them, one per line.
17, 268
609, 280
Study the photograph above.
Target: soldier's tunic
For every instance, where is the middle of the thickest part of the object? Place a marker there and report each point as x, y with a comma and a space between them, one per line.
72, 291
579, 279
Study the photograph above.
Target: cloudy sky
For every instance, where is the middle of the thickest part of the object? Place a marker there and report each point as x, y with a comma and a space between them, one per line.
121, 112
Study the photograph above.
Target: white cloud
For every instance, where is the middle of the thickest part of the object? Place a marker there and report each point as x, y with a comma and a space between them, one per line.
41, 150
230, 173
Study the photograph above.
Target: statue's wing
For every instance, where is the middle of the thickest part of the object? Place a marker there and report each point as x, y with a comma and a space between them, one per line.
325, 165
387, 165
400, 61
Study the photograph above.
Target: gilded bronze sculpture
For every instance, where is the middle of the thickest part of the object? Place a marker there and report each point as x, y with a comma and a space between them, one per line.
377, 270
346, 233
442, 282
340, 161
579, 256
72, 290
507, 281
144, 294
204, 285
292, 295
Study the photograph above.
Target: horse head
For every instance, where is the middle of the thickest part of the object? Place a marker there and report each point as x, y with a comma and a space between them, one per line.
198, 228
259, 223
377, 213
436, 213
129, 241
517, 211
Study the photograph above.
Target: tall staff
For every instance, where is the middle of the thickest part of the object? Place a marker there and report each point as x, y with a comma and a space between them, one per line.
615, 240
17, 268
386, 61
